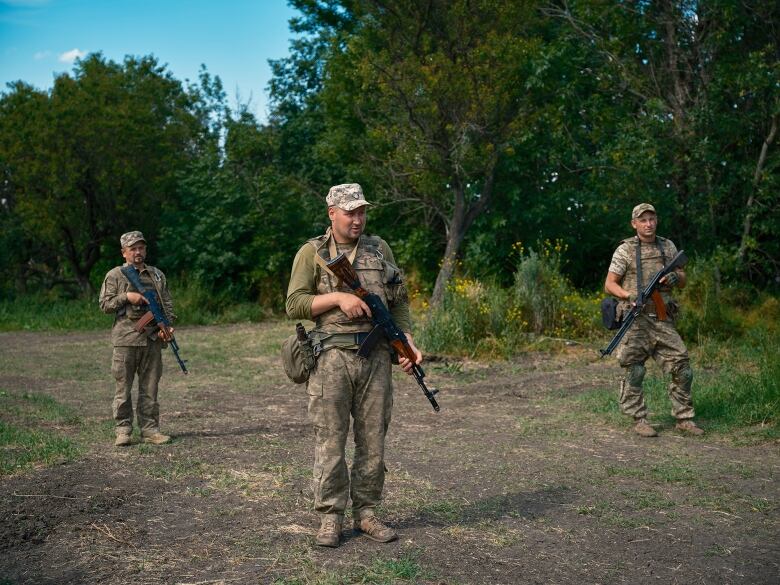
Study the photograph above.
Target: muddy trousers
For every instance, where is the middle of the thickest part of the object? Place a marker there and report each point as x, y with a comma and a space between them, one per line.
659, 340
344, 386
146, 364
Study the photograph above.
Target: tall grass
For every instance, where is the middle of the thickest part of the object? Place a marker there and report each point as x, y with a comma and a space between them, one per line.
736, 386
193, 303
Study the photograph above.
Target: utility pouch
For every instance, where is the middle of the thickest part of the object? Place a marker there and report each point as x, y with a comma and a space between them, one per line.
298, 355
609, 313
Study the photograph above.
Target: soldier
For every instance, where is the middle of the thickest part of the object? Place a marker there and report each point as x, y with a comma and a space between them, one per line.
343, 383
136, 352
650, 335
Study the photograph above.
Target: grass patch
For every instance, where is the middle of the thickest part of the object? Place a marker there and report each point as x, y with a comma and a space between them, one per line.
175, 470
610, 515
26, 434
662, 473
41, 313
493, 533
737, 388
405, 569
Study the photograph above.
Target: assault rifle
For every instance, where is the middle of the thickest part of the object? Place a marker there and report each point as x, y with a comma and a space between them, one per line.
155, 312
383, 323
679, 260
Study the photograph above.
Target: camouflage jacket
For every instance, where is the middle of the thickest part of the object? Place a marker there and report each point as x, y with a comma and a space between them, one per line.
113, 299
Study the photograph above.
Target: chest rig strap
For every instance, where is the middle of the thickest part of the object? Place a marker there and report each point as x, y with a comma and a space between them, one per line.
658, 301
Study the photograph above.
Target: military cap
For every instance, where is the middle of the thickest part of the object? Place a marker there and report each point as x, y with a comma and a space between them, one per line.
131, 238
640, 209
347, 197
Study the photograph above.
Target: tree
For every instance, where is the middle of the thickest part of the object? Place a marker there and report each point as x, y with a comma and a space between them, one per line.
424, 98
96, 156
700, 82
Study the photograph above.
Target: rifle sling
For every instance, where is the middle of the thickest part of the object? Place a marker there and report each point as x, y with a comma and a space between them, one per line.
658, 301
332, 252
132, 275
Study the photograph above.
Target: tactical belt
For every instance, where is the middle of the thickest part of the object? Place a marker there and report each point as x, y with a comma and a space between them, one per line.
362, 342
328, 340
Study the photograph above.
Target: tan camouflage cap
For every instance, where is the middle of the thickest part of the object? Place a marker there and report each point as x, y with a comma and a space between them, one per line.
640, 209
347, 197
130, 238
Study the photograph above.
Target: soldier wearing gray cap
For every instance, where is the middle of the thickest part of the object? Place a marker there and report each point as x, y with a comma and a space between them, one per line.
343, 384
137, 349
653, 334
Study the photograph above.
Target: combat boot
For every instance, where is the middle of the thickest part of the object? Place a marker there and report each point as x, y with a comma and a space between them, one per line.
643, 428
372, 527
156, 438
688, 426
122, 440
329, 533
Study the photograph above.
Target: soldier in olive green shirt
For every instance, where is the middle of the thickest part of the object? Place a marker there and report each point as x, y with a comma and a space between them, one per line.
344, 385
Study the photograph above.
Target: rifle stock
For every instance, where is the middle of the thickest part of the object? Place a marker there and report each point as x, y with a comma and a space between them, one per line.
679, 260
380, 315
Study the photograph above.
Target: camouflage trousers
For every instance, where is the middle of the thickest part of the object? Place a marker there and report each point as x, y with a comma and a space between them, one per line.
145, 363
647, 338
344, 386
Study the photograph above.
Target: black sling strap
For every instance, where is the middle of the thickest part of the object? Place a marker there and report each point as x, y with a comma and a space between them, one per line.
132, 275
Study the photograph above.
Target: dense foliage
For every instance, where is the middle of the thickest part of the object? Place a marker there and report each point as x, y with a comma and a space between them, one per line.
473, 124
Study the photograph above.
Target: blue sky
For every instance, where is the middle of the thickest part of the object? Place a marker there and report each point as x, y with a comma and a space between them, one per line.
234, 39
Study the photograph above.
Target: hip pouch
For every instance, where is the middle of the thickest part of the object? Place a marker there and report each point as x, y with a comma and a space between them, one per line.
298, 355
609, 313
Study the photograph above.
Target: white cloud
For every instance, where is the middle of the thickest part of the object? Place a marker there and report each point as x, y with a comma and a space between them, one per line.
71, 56
41, 55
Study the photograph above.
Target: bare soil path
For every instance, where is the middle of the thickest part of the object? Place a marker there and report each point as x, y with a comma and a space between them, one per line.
516, 480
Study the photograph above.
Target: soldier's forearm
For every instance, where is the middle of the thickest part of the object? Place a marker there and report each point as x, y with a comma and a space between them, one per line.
114, 303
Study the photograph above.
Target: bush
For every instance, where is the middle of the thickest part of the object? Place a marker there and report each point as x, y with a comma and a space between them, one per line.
471, 314
478, 318
545, 302
708, 310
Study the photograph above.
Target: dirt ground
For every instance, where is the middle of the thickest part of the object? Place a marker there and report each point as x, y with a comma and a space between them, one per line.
516, 480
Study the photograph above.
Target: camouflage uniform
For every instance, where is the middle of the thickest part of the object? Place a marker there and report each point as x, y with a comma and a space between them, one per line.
134, 352
648, 336
344, 385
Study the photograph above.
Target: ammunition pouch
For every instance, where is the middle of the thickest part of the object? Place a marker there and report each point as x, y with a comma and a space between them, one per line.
298, 357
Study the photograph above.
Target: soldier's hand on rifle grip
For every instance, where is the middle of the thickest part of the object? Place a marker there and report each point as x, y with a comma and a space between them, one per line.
353, 306
135, 298
404, 362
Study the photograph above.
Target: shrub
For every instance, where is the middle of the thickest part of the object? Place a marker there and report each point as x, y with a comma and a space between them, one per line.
481, 318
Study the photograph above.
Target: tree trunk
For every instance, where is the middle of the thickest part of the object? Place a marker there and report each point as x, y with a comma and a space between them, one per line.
455, 234
463, 216
81, 268
752, 199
